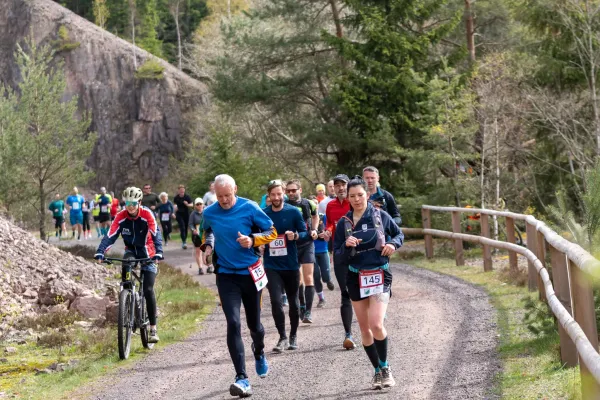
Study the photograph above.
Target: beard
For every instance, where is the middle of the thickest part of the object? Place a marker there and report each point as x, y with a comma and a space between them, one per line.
276, 203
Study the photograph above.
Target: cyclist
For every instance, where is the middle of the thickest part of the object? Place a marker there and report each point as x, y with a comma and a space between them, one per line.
364, 240
75, 203
235, 227
281, 262
141, 235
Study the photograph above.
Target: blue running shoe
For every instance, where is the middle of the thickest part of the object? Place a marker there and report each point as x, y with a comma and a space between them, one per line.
241, 387
262, 366
349, 343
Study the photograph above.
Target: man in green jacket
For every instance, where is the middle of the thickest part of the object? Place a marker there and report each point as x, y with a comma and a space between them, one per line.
57, 208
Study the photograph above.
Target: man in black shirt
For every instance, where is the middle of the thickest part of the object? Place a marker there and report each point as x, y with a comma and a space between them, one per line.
183, 204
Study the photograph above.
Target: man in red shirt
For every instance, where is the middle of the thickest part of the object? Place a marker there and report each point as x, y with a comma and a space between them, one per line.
114, 206
336, 209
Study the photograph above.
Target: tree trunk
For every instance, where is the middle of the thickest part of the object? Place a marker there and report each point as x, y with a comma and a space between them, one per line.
42, 211
470, 30
497, 146
336, 19
482, 183
179, 34
132, 11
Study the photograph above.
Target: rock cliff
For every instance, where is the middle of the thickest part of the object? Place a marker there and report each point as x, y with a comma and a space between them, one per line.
140, 123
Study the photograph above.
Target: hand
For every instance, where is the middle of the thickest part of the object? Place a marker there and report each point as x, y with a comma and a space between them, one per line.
207, 253
290, 235
194, 232
244, 241
321, 235
186, 203
173, 216
99, 259
352, 241
152, 207
388, 250
327, 236
314, 235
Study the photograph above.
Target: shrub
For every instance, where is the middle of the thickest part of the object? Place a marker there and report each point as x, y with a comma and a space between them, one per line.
64, 42
80, 250
151, 69
538, 317
51, 320
55, 339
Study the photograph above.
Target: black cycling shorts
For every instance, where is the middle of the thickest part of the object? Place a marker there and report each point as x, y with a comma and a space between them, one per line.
197, 240
353, 285
103, 217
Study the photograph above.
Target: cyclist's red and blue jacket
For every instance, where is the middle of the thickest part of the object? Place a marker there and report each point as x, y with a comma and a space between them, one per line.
141, 235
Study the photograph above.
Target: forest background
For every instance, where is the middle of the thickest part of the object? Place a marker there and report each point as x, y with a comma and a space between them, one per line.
470, 102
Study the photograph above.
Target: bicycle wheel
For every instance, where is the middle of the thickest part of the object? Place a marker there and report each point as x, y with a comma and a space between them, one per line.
125, 323
144, 324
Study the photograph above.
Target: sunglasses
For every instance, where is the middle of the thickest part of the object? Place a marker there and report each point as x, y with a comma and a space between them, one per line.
131, 203
199, 204
275, 182
291, 190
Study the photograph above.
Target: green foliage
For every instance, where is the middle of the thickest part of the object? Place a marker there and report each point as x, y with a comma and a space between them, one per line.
147, 37
101, 13
225, 154
64, 42
151, 69
538, 317
46, 139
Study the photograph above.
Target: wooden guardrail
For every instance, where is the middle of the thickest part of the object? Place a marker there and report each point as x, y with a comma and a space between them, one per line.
569, 293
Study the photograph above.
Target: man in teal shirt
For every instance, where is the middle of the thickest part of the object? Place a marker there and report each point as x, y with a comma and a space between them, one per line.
57, 208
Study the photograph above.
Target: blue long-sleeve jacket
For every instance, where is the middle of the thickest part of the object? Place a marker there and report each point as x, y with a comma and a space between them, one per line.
366, 257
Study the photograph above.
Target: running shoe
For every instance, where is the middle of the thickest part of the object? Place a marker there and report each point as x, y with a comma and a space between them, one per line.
282, 344
209, 270
330, 285
153, 338
376, 383
321, 303
293, 345
349, 343
262, 366
284, 300
241, 387
200, 271
184, 246
307, 318
387, 379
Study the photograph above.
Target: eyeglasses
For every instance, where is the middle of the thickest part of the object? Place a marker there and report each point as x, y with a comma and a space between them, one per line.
131, 203
291, 190
199, 204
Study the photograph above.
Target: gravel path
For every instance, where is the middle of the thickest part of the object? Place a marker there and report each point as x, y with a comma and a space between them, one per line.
442, 346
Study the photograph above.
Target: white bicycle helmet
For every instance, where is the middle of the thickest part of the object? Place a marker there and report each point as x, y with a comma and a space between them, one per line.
132, 194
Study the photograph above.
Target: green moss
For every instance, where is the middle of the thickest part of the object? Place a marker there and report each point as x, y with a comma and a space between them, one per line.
64, 42
151, 69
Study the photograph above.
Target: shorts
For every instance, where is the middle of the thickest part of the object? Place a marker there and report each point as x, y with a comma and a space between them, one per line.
96, 218
306, 253
353, 287
58, 221
76, 218
103, 217
197, 240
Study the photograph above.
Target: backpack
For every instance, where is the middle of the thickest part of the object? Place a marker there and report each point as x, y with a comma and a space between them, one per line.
379, 229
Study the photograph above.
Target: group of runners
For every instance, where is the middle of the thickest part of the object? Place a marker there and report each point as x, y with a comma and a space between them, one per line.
356, 224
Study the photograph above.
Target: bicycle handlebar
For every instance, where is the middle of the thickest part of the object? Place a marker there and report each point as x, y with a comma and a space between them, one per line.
108, 260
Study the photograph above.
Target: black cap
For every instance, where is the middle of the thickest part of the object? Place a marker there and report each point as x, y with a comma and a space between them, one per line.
341, 177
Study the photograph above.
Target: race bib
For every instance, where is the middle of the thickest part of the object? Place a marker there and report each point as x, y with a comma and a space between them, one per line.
370, 282
75, 206
103, 209
165, 217
259, 275
278, 247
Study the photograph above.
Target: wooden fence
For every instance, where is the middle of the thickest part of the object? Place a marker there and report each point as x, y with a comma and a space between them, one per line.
569, 293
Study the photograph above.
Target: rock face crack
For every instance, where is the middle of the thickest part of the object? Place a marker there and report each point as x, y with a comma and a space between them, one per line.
138, 122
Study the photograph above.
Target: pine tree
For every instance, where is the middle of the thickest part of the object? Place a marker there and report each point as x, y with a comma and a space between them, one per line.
50, 143
147, 37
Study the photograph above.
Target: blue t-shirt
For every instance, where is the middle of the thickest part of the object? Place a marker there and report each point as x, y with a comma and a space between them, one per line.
75, 201
225, 225
165, 210
320, 244
287, 219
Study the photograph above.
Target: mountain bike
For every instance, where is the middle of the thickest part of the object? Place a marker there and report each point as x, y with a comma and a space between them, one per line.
132, 305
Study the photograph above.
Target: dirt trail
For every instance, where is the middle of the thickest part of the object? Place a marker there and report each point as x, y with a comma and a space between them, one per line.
442, 336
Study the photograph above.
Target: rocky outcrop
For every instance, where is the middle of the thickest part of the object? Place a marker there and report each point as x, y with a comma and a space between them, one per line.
140, 123
36, 277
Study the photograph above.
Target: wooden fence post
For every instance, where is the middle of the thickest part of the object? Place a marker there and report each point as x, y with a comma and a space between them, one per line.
585, 315
458, 244
532, 282
426, 217
560, 274
487, 251
541, 255
510, 238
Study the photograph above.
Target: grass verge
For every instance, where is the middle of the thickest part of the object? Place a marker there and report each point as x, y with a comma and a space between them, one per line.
89, 352
531, 364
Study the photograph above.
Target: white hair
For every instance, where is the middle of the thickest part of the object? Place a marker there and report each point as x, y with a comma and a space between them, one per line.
163, 194
224, 180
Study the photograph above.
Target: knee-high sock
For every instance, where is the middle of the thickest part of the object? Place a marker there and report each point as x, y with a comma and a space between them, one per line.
382, 346
372, 354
